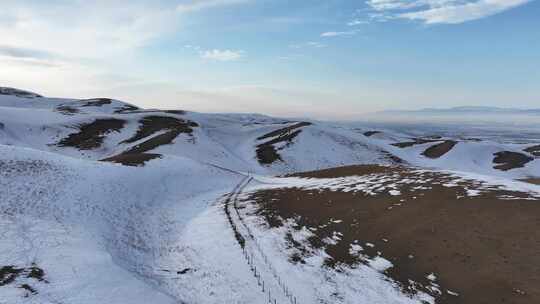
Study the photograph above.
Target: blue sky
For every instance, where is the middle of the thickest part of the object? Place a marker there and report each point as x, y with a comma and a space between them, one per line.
325, 59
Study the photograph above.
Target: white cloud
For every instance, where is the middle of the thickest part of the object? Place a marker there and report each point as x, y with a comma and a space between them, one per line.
382, 5
440, 11
196, 5
222, 55
84, 29
81, 46
459, 13
357, 22
335, 34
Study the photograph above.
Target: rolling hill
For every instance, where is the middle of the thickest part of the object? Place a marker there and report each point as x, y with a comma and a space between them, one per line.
103, 201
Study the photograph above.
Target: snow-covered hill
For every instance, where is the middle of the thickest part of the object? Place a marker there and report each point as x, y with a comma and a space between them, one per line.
103, 128
118, 204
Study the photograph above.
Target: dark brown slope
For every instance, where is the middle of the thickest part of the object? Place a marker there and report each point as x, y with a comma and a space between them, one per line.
91, 135
507, 160
534, 150
439, 150
267, 153
416, 141
485, 248
149, 126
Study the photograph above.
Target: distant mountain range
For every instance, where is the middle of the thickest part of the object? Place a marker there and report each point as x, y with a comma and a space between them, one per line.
464, 110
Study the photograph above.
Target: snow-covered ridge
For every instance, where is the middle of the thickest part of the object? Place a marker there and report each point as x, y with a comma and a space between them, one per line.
236, 140
18, 93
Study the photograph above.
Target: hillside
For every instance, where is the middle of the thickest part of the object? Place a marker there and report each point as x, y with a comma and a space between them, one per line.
103, 201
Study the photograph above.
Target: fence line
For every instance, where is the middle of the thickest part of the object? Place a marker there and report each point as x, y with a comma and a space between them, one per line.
242, 241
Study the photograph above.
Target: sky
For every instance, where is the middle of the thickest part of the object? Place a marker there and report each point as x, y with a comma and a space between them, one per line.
331, 59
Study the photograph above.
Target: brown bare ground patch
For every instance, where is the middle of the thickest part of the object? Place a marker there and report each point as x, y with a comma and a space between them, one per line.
126, 109
439, 150
267, 152
535, 181
534, 150
416, 141
134, 159
484, 248
91, 135
136, 155
28, 288
356, 170
284, 131
154, 142
150, 125
67, 110
507, 160
371, 133
138, 111
8, 274
96, 102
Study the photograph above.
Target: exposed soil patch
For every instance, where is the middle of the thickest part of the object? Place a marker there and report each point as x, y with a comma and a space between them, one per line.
96, 102
177, 112
28, 288
91, 135
154, 142
125, 109
8, 275
150, 125
135, 159
184, 271
139, 111
439, 150
507, 160
371, 133
417, 141
534, 150
35, 272
267, 153
284, 131
483, 248
67, 110
356, 170
535, 181
136, 155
